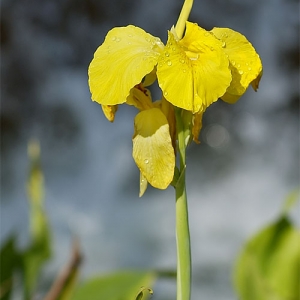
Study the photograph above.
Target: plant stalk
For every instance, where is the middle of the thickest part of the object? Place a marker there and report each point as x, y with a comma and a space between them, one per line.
184, 14
182, 221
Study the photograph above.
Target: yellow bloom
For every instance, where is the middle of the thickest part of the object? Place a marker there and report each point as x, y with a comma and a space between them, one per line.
245, 64
192, 72
152, 147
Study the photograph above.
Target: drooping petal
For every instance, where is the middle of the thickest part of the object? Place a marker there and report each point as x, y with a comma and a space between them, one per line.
197, 126
152, 148
245, 64
150, 78
143, 184
140, 98
194, 72
168, 109
110, 111
121, 62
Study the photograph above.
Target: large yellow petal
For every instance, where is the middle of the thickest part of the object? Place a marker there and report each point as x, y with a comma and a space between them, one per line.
126, 56
194, 72
245, 64
152, 148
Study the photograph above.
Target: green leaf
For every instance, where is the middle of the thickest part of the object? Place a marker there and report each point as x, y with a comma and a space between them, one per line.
268, 266
290, 201
39, 249
122, 285
141, 294
9, 261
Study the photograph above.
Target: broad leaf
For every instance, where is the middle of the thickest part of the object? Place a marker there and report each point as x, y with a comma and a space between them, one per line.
124, 285
268, 266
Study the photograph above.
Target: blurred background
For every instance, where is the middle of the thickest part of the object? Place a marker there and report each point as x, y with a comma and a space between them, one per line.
238, 177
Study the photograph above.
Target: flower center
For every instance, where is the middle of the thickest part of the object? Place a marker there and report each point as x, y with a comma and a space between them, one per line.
192, 55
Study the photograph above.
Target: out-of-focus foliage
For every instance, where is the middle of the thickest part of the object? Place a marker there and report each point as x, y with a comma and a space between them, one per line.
39, 250
30, 260
267, 268
269, 264
125, 285
9, 261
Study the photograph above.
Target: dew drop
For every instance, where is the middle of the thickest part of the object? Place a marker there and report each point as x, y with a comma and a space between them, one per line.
169, 63
114, 38
223, 44
249, 68
233, 63
182, 61
238, 65
167, 54
212, 48
206, 34
166, 93
173, 48
129, 35
146, 161
118, 39
241, 72
184, 70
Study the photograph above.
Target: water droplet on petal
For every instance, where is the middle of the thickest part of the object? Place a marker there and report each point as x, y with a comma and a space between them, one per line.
212, 48
167, 54
118, 39
241, 72
114, 38
182, 61
173, 48
146, 161
206, 34
249, 68
184, 70
238, 65
166, 93
223, 44
169, 63
233, 63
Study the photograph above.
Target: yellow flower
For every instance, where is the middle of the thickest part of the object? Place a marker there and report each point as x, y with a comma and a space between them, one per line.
192, 72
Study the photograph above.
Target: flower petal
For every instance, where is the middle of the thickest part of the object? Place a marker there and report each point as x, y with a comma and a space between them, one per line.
110, 111
140, 98
121, 62
143, 184
245, 64
197, 126
194, 72
152, 148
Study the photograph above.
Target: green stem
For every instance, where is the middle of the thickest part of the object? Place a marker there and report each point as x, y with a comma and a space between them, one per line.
182, 222
184, 14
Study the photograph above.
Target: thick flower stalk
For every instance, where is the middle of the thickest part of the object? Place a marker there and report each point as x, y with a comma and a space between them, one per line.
193, 71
